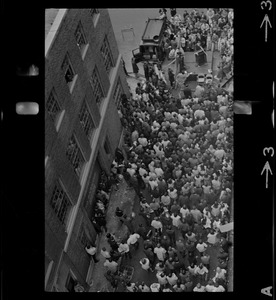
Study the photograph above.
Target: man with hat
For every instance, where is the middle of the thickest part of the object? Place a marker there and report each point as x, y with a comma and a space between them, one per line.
171, 78
146, 70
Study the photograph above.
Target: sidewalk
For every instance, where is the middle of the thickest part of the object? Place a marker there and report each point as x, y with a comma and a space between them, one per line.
125, 200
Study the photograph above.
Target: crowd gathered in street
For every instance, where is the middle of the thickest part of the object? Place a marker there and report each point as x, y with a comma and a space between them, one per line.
195, 30
210, 31
178, 157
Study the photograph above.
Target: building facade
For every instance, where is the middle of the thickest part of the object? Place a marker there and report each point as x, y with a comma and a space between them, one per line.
84, 81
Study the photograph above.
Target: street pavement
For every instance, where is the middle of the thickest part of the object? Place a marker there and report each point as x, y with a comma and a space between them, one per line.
124, 198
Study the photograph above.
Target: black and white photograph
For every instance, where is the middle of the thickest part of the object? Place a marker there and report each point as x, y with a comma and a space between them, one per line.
132, 142
139, 150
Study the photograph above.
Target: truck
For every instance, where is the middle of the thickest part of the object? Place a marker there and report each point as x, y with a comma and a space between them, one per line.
152, 43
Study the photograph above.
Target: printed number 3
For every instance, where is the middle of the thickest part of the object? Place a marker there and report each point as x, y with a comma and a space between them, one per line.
268, 150
265, 4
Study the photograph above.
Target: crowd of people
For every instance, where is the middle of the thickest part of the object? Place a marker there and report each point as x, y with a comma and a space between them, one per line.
197, 30
179, 159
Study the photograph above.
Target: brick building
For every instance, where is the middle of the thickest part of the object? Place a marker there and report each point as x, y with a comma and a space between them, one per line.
84, 80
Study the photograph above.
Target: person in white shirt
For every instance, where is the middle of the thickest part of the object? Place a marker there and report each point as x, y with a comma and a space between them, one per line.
206, 212
218, 287
160, 252
175, 219
144, 288
153, 183
155, 287
191, 236
111, 265
184, 211
192, 269
199, 114
202, 272
224, 208
215, 209
201, 246
162, 279
131, 171
157, 224
172, 279
212, 237
124, 250
142, 170
133, 240
199, 288
159, 267
172, 192
142, 140
145, 264
220, 275
105, 253
159, 172
216, 184
210, 286
131, 287
216, 224
165, 199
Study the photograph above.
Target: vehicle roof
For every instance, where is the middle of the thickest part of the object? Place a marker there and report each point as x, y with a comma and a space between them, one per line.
148, 44
153, 28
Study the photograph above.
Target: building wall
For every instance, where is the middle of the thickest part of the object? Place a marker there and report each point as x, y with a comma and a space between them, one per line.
106, 120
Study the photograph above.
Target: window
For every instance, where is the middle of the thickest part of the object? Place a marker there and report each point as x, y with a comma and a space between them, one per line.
86, 120
118, 92
106, 146
94, 12
60, 203
96, 86
69, 74
106, 54
52, 106
71, 282
83, 237
75, 156
80, 38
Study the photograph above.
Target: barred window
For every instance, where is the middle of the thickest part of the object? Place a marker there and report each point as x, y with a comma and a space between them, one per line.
106, 54
94, 12
96, 86
60, 203
75, 156
80, 37
118, 92
86, 120
67, 70
107, 146
52, 106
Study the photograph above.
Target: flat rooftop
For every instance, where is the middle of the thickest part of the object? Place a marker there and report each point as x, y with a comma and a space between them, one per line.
153, 28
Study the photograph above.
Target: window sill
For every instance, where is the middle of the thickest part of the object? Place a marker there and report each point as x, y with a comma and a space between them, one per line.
84, 51
60, 118
72, 84
96, 20
110, 75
